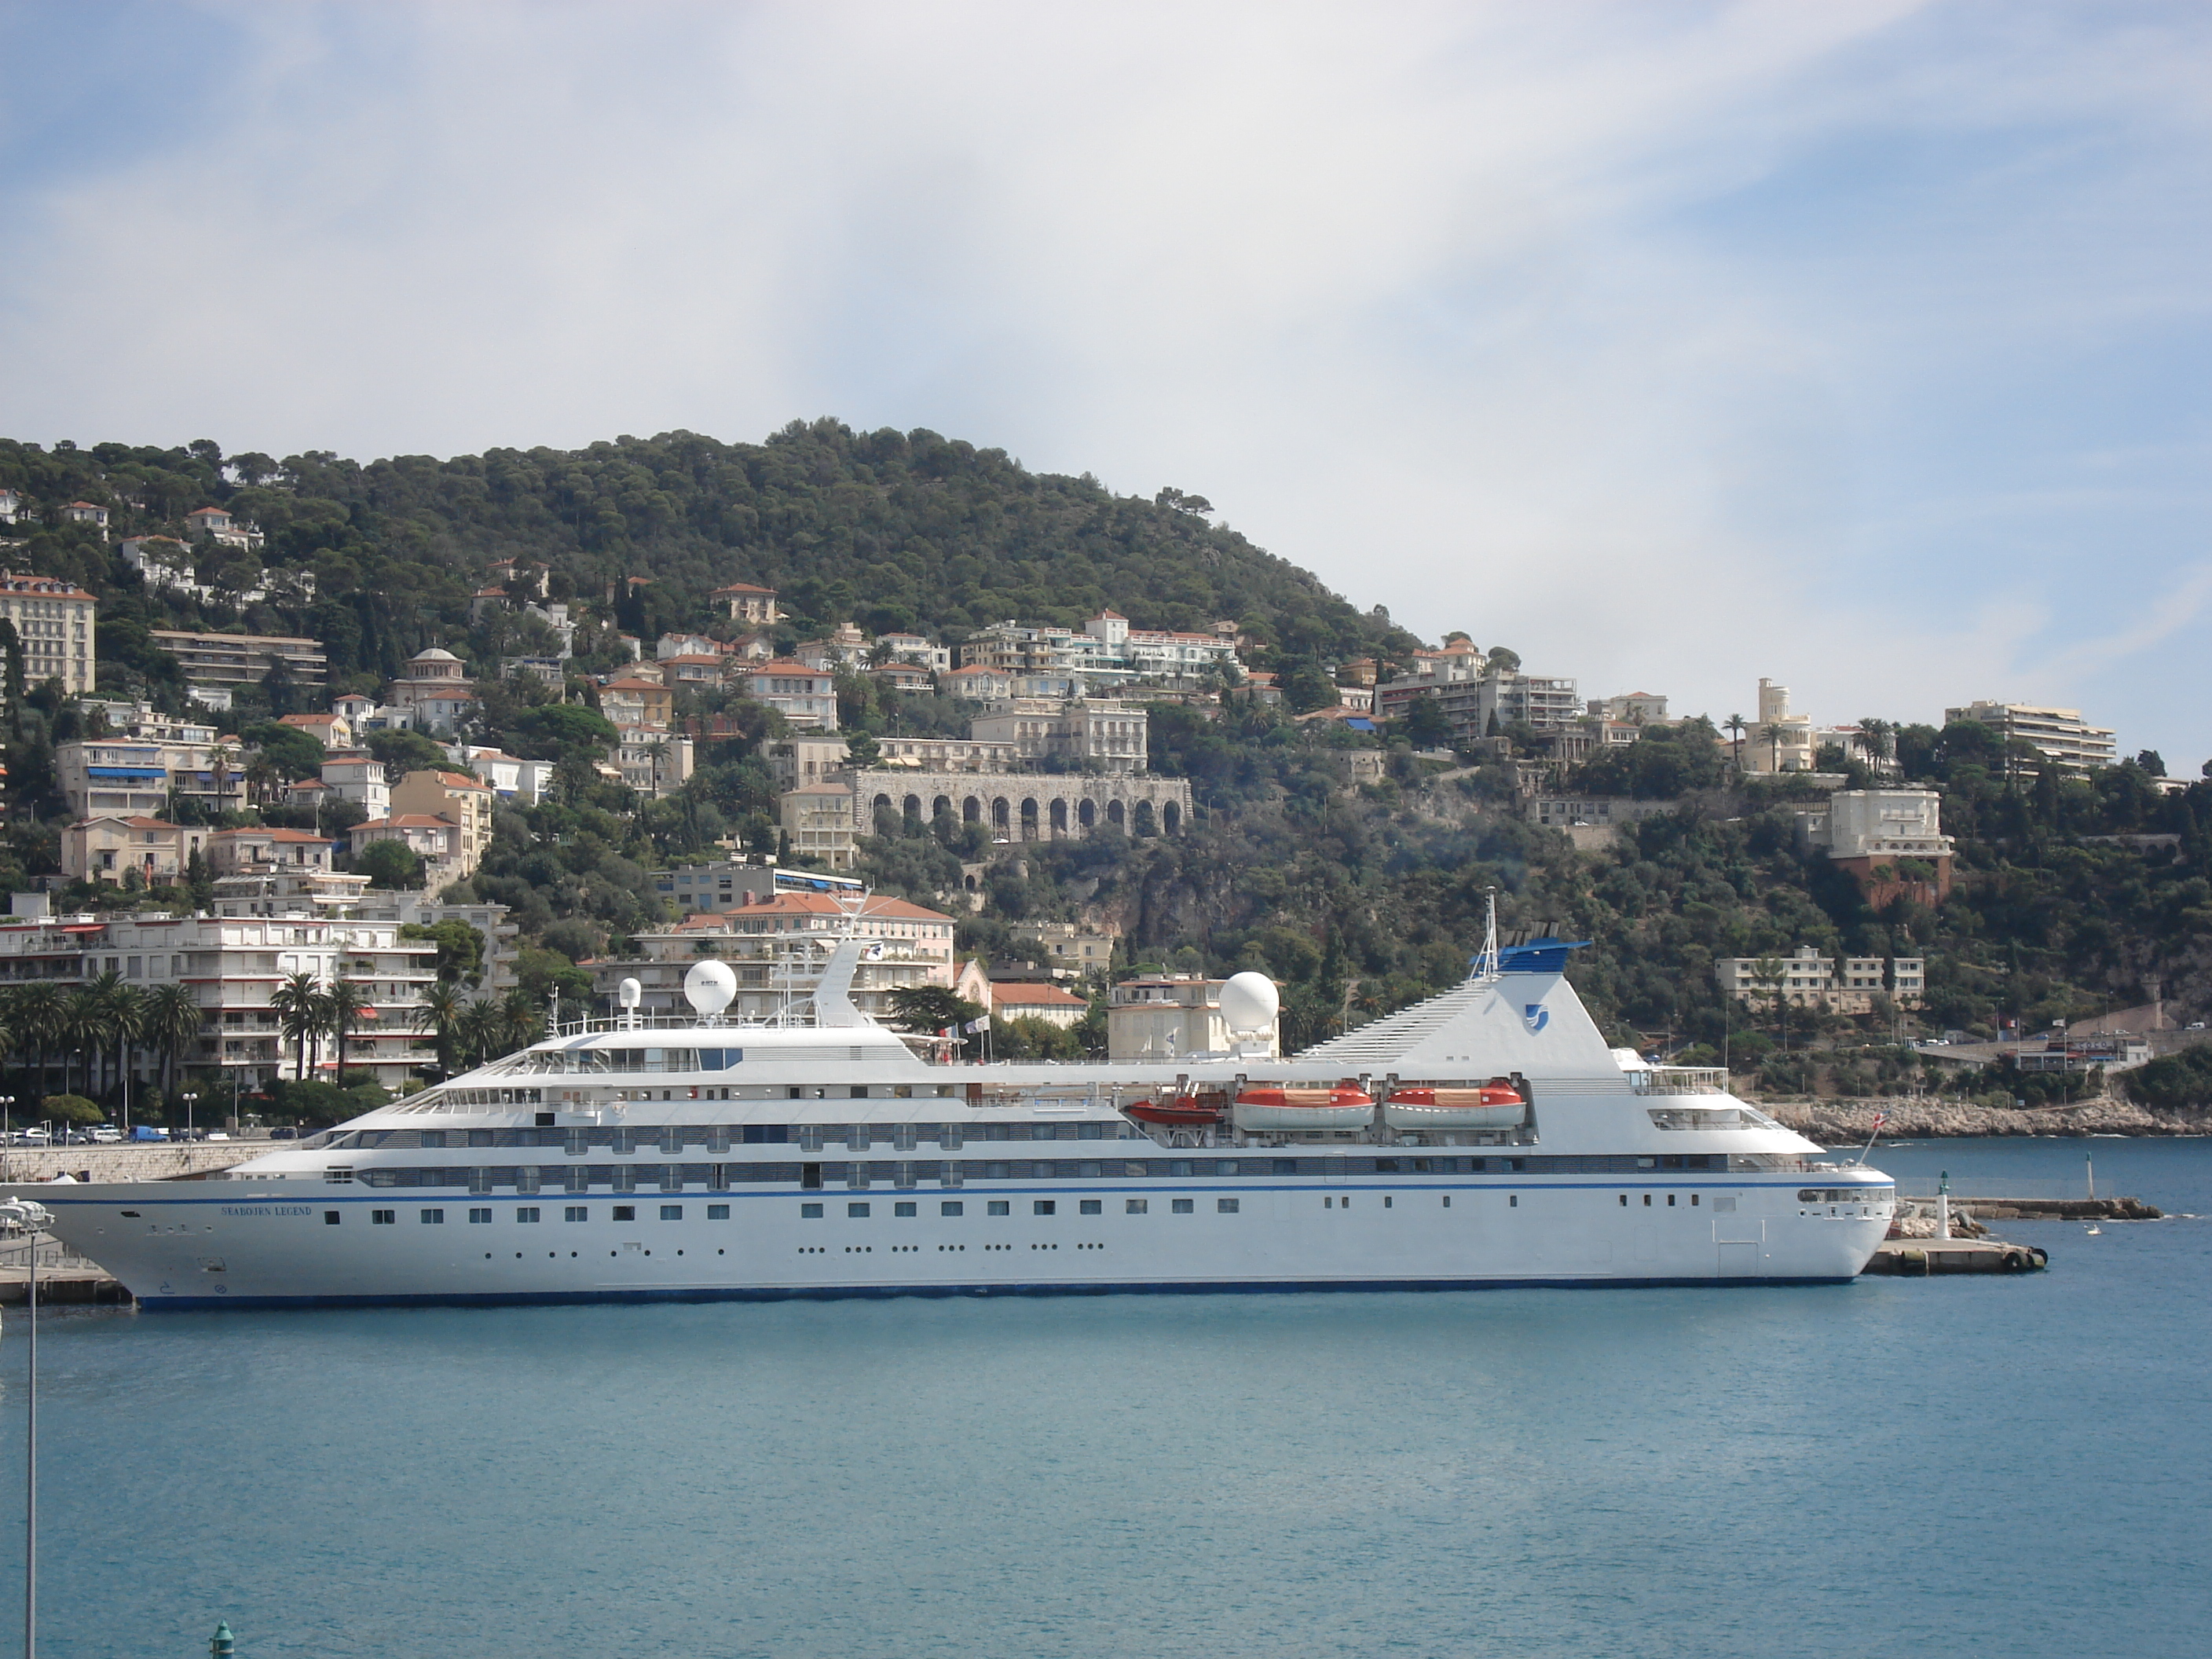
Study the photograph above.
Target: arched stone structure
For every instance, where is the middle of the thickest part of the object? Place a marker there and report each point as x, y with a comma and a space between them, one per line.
1027, 806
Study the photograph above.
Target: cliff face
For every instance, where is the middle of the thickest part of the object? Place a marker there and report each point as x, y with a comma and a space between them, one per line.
1847, 1123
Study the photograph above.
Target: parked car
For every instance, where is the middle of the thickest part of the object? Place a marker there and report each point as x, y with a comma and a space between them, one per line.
149, 1132
283, 1131
213, 1134
106, 1134
33, 1138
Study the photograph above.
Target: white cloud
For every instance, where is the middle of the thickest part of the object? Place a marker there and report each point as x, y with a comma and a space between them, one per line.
1596, 329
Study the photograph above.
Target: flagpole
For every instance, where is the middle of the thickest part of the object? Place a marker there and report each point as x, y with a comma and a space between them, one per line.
1880, 1118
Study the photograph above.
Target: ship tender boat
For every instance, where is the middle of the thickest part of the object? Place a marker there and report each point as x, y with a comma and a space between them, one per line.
1495, 1105
825, 1156
1179, 1111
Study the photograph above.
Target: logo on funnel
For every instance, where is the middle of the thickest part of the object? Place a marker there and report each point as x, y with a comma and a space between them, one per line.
1536, 1016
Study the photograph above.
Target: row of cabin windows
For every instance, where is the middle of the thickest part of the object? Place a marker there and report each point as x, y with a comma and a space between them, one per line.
528, 1213
860, 1209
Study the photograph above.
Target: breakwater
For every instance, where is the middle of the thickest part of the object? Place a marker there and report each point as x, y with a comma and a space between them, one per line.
1843, 1122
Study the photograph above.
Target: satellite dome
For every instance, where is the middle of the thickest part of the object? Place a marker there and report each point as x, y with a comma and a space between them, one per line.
708, 987
1250, 1002
630, 993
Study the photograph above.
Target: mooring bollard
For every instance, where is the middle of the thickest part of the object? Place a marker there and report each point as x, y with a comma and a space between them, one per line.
222, 1646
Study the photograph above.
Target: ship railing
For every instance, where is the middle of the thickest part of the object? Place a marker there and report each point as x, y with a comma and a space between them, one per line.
1680, 1080
16, 1256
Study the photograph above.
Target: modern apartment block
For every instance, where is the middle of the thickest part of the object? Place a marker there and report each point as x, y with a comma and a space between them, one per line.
1806, 979
228, 659
1102, 735
108, 774
1880, 836
2060, 733
54, 621
232, 964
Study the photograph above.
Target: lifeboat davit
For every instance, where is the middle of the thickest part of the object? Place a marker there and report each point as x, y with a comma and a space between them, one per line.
1344, 1107
1180, 1111
1490, 1106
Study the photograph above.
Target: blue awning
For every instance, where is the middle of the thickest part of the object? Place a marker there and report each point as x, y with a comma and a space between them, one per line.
128, 772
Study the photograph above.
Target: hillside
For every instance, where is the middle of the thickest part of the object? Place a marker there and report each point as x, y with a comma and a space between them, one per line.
1359, 891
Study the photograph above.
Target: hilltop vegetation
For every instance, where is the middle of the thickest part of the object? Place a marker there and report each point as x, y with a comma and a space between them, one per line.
1360, 889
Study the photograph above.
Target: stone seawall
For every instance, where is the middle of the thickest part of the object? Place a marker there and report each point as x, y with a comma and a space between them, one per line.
1842, 1122
184, 1162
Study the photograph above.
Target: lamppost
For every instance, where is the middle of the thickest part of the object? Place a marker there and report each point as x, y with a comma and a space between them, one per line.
20, 1218
188, 1097
7, 1125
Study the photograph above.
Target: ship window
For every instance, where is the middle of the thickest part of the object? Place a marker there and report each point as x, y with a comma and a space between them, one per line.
1183, 1206
718, 1212
1624, 1201
1136, 1206
432, 1217
1093, 1207
856, 1211
671, 1213
329, 1218
433, 1137
810, 1213
382, 1217
625, 1211
1693, 1200
1229, 1206
575, 1212
903, 1209
1447, 1200
1001, 1207
1513, 1200
810, 1176
1670, 1201
479, 1137
1647, 1200
1042, 1206
480, 1218
527, 1213
952, 1206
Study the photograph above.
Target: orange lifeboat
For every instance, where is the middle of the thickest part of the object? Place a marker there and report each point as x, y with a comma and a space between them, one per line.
1179, 1111
1493, 1105
1346, 1106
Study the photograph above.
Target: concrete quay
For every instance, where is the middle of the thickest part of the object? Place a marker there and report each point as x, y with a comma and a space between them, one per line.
1922, 1258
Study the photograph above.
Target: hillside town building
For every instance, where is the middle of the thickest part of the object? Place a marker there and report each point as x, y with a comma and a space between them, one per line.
217, 662
1806, 979
54, 620
2060, 734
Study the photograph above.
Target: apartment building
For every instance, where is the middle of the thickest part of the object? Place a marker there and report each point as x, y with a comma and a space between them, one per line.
232, 964
1478, 699
635, 703
654, 763
1880, 836
2059, 733
807, 697
777, 944
355, 774
222, 661
1806, 979
108, 846
436, 691
54, 621
696, 889
745, 603
817, 821
104, 774
1105, 736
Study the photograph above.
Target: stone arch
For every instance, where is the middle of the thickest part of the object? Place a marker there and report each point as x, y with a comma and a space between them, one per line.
910, 810
1058, 817
1086, 814
1001, 814
1116, 816
941, 807
1029, 818
1171, 818
971, 810
883, 816
1142, 821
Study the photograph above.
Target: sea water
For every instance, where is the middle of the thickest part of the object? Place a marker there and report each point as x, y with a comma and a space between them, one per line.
2011, 1466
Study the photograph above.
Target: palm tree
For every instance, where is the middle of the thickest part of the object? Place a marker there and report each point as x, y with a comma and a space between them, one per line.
261, 780
344, 1006
1876, 738
37, 1017
171, 1019
1736, 724
479, 1029
223, 762
522, 1021
443, 1008
300, 1014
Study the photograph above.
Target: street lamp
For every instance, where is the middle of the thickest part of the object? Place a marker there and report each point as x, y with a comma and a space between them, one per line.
7, 1127
188, 1097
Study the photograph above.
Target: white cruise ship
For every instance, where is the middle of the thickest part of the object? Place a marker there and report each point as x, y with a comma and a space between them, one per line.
1487, 1137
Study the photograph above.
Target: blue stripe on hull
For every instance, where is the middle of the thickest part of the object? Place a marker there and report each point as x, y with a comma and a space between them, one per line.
838, 1293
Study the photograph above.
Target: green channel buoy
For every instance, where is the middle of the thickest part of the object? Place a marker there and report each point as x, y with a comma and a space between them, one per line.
223, 1646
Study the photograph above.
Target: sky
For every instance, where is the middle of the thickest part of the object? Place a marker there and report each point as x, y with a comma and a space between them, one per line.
1860, 345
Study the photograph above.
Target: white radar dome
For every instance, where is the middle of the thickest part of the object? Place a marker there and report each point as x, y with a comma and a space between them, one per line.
631, 994
1249, 1002
709, 985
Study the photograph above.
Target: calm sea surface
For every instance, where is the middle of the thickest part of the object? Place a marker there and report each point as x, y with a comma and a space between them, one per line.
2004, 1466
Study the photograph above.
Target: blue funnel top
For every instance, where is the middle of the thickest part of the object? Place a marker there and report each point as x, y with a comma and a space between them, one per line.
1538, 955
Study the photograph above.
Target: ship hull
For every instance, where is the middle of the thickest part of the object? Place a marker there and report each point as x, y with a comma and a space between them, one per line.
196, 1246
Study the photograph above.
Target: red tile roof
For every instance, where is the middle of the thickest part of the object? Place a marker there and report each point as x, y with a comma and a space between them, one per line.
1035, 996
